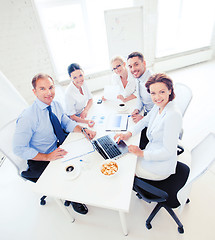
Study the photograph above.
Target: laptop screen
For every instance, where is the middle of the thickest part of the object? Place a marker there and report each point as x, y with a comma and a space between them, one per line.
117, 122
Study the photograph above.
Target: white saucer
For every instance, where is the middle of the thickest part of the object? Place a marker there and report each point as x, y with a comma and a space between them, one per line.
74, 173
122, 109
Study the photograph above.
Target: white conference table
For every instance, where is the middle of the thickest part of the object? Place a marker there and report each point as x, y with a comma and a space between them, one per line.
90, 186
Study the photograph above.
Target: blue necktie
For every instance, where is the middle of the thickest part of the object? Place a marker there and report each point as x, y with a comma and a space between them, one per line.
60, 134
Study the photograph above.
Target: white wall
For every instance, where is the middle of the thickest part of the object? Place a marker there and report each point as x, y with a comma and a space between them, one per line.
213, 42
23, 52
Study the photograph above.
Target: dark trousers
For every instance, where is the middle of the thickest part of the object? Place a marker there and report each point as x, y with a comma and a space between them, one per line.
143, 139
35, 169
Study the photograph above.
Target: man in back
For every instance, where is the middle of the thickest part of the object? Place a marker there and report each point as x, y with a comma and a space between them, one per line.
137, 67
41, 129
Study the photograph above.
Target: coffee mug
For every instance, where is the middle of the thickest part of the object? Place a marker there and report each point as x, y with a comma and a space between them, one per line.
69, 168
122, 107
72, 171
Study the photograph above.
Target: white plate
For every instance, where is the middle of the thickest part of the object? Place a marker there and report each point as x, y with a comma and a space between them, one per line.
104, 166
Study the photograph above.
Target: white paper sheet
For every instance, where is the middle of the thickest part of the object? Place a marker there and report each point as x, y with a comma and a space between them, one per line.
77, 149
111, 92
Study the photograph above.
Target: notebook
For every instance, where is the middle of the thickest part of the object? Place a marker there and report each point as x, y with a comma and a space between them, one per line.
117, 122
108, 148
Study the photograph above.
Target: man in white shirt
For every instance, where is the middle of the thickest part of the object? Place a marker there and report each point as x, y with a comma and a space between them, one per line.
137, 67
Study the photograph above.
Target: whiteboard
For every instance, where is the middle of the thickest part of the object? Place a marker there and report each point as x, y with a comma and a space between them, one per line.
124, 29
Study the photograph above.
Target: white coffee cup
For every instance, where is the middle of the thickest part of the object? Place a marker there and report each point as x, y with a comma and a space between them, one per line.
72, 171
122, 107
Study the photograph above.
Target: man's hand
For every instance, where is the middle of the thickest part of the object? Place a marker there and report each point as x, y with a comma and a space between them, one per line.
91, 134
56, 154
136, 111
137, 117
135, 150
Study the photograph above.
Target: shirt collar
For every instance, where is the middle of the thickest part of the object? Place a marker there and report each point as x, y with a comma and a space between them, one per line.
144, 76
41, 104
169, 104
76, 89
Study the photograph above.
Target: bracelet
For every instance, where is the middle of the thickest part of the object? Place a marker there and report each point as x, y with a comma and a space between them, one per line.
83, 129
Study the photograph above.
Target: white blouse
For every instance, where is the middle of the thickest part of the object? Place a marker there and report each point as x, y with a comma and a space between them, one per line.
130, 87
74, 100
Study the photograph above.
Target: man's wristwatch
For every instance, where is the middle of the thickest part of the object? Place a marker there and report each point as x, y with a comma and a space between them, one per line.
83, 129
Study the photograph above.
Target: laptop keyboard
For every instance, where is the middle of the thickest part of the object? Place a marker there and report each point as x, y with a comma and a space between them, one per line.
109, 147
99, 149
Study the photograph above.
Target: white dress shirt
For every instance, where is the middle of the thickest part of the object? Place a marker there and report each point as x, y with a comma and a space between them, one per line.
160, 154
74, 100
130, 87
143, 97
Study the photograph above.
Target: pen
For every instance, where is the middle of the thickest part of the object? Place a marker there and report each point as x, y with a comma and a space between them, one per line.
86, 134
132, 115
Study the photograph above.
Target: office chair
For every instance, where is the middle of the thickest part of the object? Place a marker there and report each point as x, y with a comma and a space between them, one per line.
203, 156
174, 191
183, 97
13, 105
163, 192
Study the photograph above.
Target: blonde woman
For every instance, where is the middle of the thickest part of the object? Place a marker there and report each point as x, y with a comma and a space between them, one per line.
123, 79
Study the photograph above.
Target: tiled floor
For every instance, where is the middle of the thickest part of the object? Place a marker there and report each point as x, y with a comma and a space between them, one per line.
21, 216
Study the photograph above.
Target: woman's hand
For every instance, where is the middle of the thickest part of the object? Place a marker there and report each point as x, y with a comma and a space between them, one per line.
103, 99
135, 150
83, 114
90, 123
122, 136
121, 98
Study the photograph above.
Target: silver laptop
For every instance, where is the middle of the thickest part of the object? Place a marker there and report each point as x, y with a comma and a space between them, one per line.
108, 148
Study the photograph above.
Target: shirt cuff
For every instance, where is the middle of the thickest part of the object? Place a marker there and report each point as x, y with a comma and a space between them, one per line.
30, 154
146, 155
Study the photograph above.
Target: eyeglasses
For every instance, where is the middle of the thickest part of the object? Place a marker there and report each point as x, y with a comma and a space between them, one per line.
114, 69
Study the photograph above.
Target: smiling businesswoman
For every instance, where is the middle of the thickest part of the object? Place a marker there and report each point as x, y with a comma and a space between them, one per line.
123, 79
158, 160
78, 98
